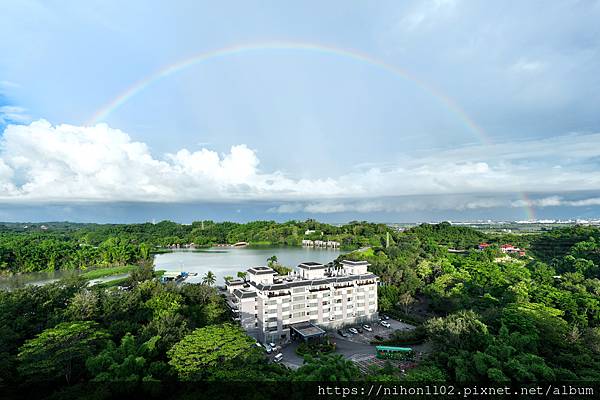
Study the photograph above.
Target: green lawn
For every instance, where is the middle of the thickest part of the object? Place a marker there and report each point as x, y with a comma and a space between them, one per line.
101, 272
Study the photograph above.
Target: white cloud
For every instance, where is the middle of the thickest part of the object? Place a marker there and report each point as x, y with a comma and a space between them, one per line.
525, 65
425, 14
64, 163
13, 114
556, 201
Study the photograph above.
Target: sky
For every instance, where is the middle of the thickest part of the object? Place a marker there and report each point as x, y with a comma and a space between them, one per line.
386, 111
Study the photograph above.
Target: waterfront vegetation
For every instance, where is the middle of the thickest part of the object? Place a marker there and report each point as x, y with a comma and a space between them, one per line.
68, 246
488, 316
102, 272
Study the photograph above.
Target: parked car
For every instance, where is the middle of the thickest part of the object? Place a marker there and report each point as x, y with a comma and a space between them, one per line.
353, 331
278, 358
268, 348
258, 345
367, 328
384, 317
386, 324
359, 329
273, 345
342, 333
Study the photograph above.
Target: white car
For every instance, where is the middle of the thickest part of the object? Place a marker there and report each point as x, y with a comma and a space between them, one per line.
278, 358
367, 328
273, 345
268, 348
353, 331
386, 324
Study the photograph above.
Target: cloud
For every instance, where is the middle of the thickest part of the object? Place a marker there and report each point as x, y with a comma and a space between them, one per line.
40, 162
557, 201
524, 65
13, 114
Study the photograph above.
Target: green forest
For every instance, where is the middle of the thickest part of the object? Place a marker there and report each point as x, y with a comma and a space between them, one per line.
490, 317
54, 246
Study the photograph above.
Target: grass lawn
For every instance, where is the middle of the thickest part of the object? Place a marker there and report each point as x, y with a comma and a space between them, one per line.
101, 272
121, 281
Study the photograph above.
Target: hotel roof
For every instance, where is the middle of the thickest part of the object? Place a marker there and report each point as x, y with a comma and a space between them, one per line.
244, 294
315, 282
311, 265
350, 262
261, 271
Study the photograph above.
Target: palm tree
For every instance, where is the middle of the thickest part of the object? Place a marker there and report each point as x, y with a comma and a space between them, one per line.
272, 260
209, 279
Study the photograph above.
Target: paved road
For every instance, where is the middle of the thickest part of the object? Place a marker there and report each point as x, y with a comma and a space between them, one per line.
353, 347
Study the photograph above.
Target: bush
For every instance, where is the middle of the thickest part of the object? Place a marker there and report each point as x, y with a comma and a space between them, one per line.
315, 349
412, 337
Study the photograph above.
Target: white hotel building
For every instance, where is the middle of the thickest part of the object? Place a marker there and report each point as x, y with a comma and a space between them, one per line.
270, 307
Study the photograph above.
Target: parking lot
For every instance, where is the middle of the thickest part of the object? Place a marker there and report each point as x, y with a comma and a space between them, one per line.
357, 348
367, 337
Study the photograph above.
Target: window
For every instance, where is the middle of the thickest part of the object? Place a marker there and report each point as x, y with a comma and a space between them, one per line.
299, 290
299, 298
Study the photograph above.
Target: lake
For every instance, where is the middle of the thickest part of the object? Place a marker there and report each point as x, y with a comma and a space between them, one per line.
223, 261
10, 282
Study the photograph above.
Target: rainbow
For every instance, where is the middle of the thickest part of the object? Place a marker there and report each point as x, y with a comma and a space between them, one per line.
527, 206
350, 54
355, 55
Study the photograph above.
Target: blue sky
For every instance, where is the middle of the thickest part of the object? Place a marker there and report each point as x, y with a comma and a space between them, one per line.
453, 110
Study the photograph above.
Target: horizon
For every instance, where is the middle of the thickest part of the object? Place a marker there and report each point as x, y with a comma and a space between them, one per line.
424, 110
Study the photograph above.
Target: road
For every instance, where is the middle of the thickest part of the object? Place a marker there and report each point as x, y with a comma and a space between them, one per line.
354, 347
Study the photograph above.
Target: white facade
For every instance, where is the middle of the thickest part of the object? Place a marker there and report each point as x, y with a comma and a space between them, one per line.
267, 304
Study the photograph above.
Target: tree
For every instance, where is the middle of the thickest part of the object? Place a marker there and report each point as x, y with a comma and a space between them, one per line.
462, 330
242, 275
327, 368
208, 347
83, 306
406, 300
60, 351
209, 279
127, 362
272, 260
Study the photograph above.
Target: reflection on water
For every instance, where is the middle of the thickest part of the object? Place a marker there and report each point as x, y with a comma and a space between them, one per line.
221, 262
229, 261
34, 278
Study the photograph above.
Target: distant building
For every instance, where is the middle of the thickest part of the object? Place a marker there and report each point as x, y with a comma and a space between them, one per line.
271, 308
321, 243
510, 249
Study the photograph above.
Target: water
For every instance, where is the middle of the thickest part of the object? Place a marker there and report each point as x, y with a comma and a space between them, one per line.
222, 261
34, 278
228, 261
